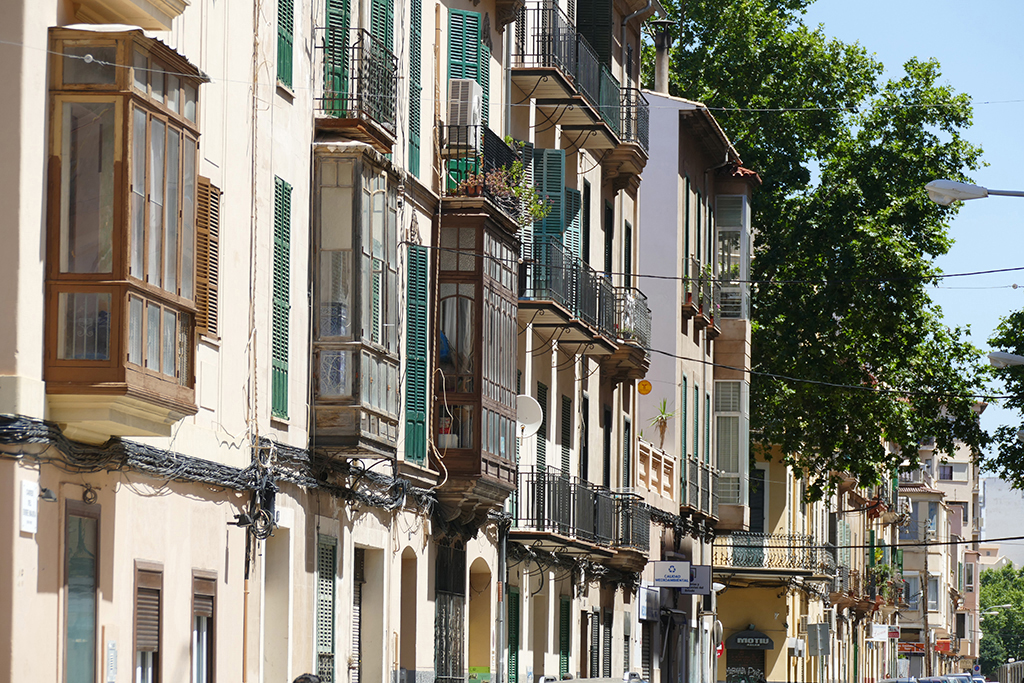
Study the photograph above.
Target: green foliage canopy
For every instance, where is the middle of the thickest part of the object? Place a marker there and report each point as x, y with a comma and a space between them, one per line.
1002, 633
845, 236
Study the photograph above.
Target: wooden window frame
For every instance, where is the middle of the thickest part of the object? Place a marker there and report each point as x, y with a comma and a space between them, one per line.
204, 584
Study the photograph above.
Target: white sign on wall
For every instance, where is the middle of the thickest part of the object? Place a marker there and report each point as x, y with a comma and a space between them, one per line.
29, 507
672, 574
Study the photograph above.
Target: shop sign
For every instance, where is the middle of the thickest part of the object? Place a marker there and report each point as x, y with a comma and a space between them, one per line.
910, 648
672, 574
945, 645
749, 640
700, 580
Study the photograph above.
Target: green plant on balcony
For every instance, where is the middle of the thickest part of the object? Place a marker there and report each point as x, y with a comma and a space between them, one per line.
660, 421
888, 581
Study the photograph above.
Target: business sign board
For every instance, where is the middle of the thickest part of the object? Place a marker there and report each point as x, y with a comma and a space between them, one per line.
700, 580
910, 648
945, 645
672, 574
749, 640
894, 632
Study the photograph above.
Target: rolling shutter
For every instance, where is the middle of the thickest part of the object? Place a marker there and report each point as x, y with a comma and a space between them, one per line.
606, 654
595, 643
513, 634
326, 561
148, 585
416, 360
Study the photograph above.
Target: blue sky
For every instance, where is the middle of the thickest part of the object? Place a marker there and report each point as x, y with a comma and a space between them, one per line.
979, 46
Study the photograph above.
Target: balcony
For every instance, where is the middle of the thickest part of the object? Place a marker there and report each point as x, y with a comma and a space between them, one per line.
358, 89
631, 359
656, 470
623, 165
775, 554
557, 67
558, 290
567, 514
702, 296
476, 167
699, 489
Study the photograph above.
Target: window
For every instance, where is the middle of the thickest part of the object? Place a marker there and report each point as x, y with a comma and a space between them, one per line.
122, 280
933, 593
696, 421
468, 56
80, 583
204, 593
606, 435
627, 452
606, 649
281, 299
416, 357
962, 507
207, 258
594, 22
734, 255
912, 591
564, 634
732, 425
566, 434
542, 433
609, 237
585, 248
148, 608
969, 576
285, 33
946, 472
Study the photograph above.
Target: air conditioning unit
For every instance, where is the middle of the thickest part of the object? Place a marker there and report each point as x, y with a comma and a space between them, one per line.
830, 619
465, 117
801, 626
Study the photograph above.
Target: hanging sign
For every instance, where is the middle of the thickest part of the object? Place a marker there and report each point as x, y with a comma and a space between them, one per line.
672, 574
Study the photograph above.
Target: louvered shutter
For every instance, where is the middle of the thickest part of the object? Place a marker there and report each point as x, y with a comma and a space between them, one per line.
594, 22
513, 634
355, 667
595, 643
696, 421
526, 230
147, 610
415, 87
564, 633
707, 429
416, 358
281, 290
627, 452
285, 31
566, 433
645, 651
336, 58
326, 561
626, 642
382, 23
606, 651
484, 80
207, 257
542, 433
549, 180
468, 57
572, 238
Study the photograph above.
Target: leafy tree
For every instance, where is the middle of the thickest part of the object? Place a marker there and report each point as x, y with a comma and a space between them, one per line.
1008, 462
1005, 630
991, 655
845, 236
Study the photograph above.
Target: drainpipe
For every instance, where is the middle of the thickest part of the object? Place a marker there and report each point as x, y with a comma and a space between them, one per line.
625, 76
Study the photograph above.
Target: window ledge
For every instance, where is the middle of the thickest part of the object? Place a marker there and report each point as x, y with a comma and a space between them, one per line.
153, 15
285, 92
95, 418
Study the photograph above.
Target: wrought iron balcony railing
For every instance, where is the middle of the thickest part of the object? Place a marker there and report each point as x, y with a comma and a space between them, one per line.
477, 162
636, 118
797, 552
609, 103
634, 523
632, 316
569, 506
588, 71
360, 78
550, 272
545, 37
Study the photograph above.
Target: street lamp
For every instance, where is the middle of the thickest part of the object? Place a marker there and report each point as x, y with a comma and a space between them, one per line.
945, 192
1001, 359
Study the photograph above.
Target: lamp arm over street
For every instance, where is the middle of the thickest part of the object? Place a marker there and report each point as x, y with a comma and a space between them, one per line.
945, 192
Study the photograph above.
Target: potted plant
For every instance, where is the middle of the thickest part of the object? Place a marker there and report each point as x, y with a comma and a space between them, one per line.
660, 421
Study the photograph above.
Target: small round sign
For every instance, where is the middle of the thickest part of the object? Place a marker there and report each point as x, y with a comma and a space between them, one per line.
977, 668
644, 387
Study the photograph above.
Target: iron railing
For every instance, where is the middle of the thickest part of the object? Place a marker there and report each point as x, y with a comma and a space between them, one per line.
799, 552
636, 118
693, 481
705, 488
634, 523
609, 103
360, 79
588, 71
550, 501
632, 316
551, 273
477, 162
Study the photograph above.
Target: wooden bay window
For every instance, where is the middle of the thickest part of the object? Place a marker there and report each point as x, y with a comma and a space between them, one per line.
122, 261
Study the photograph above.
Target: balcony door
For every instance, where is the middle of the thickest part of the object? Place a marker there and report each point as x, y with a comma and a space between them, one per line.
748, 549
336, 58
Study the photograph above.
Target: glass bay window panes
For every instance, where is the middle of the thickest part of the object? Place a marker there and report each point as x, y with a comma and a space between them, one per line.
83, 326
457, 345
87, 176
99, 70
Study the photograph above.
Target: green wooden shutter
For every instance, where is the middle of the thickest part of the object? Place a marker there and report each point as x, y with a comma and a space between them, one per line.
416, 359
707, 429
564, 633
627, 452
468, 57
326, 563
572, 238
542, 433
485, 82
696, 421
285, 39
513, 634
382, 23
415, 88
566, 433
594, 22
549, 179
526, 231
336, 58
282, 276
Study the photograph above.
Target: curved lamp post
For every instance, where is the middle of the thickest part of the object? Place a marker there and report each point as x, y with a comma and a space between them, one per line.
945, 192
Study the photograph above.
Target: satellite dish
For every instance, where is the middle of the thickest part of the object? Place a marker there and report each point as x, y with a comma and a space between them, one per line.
528, 415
